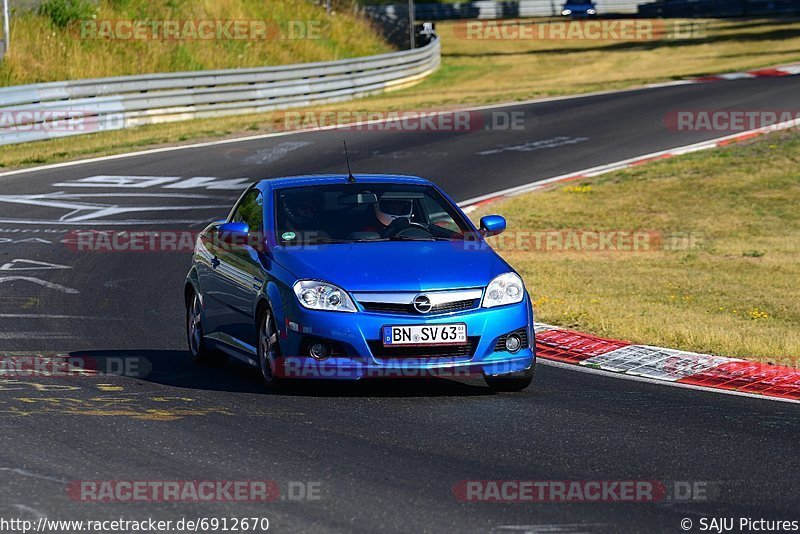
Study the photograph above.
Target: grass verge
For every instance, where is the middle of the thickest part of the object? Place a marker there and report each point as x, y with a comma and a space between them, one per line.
82, 40
476, 72
481, 70
730, 289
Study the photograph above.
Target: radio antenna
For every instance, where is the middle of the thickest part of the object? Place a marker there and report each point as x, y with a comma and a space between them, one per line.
350, 177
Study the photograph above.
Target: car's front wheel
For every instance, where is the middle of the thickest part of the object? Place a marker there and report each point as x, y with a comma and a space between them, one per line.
510, 382
268, 349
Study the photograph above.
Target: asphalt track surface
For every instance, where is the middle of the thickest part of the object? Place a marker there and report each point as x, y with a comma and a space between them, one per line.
386, 455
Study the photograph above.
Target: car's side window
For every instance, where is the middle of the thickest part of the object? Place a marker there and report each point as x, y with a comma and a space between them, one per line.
251, 211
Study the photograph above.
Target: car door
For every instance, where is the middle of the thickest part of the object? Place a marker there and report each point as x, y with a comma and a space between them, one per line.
207, 261
240, 275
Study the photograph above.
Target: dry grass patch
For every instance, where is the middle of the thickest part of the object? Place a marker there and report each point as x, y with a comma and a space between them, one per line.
734, 291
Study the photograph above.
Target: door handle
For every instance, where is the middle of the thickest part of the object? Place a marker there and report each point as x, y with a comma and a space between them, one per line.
215, 262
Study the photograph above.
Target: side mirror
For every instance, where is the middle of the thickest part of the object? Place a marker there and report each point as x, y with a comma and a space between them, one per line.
492, 225
233, 233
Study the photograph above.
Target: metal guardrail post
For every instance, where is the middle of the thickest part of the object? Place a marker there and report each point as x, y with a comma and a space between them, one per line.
6, 28
411, 17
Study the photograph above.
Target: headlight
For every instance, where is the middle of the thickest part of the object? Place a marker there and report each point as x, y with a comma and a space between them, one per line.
591, 12
566, 12
316, 295
504, 289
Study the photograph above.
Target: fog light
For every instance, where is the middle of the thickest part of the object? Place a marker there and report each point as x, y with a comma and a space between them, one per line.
513, 343
318, 351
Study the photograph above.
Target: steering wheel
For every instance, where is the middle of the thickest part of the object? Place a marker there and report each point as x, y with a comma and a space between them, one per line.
406, 229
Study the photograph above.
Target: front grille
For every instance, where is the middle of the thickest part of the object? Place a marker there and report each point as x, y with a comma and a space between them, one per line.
388, 307
449, 307
456, 306
437, 351
500, 346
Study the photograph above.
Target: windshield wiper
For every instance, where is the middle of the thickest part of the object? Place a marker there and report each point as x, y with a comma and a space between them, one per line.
431, 238
329, 241
319, 241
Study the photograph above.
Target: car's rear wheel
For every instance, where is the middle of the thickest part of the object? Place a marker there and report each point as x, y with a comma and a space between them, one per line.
510, 382
268, 349
194, 331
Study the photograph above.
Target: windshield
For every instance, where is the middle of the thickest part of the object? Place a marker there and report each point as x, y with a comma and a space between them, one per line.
357, 213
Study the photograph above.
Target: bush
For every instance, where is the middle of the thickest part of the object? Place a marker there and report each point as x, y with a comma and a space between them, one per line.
62, 13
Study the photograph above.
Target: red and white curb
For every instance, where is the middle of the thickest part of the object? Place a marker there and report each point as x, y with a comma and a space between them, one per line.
473, 204
688, 369
644, 362
772, 72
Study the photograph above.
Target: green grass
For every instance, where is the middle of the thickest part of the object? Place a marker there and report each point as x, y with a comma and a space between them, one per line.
45, 51
478, 71
734, 292
472, 72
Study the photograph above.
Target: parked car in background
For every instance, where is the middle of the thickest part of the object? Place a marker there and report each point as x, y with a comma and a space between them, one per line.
579, 9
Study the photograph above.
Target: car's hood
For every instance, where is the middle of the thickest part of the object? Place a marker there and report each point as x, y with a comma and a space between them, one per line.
395, 266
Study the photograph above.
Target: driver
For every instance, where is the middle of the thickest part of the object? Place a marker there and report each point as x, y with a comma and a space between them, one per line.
393, 215
387, 210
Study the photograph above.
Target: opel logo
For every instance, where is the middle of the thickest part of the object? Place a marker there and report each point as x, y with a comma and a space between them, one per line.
422, 303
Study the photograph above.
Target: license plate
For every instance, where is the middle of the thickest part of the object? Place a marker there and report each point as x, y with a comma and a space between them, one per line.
429, 334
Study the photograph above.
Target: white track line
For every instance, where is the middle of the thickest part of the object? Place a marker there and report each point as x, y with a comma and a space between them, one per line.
622, 164
332, 127
112, 157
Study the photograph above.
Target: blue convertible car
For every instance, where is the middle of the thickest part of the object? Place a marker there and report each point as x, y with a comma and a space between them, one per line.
350, 277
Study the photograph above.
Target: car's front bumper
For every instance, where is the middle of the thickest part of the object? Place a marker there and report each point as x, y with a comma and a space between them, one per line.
580, 15
357, 340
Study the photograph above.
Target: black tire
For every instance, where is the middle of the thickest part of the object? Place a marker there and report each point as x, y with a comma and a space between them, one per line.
195, 333
268, 349
511, 382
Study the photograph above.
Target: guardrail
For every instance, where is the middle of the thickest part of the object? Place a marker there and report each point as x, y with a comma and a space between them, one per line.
58, 109
719, 8
490, 9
